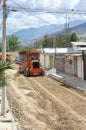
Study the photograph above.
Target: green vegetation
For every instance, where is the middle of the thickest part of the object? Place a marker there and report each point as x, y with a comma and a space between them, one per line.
73, 37
60, 40
23, 51
4, 66
12, 43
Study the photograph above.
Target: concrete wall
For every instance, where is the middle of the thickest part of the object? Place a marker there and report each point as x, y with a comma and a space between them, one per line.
15, 54
69, 64
46, 60
42, 60
51, 61
47, 63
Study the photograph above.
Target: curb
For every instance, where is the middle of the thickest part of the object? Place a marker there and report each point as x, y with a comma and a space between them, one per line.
70, 84
7, 122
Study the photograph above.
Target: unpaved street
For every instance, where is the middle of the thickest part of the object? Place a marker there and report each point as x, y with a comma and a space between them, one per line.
41, 103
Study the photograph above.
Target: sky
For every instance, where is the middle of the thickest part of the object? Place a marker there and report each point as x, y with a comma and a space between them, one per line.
26, 19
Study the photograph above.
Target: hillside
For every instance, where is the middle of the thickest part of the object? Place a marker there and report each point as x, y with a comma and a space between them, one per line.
35, 33
80, 29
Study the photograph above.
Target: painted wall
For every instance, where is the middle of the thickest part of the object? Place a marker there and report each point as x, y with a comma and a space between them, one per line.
42, 60
47, 60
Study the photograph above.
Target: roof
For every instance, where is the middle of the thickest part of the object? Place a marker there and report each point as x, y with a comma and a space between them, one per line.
79, 43
56, 50
75, 54
82, 49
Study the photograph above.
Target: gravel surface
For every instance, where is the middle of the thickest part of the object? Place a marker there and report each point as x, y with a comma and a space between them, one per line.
41, 103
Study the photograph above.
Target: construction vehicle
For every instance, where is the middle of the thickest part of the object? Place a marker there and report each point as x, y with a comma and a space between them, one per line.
31, 64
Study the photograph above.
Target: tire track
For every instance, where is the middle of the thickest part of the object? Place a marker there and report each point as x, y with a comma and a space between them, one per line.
49, 112
75, 93
57, 100
75, 102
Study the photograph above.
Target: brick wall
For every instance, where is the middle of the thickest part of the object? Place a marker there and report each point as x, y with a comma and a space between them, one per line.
60, 63
65, 64
69, 65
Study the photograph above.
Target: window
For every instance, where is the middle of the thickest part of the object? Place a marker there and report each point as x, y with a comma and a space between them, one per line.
33, 56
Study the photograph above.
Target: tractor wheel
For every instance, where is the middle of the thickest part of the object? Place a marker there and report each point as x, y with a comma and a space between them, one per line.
19, 68
26, 72
42, 73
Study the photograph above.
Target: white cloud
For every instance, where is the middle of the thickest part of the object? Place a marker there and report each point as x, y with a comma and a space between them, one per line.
50, 4
15, 22
20, 20
81, 5
68, 4
73, 3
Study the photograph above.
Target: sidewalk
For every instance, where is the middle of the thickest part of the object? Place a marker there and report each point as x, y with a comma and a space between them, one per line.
7, 122
68, 80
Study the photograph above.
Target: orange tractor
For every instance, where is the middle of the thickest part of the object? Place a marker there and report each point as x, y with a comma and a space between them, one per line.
31, 64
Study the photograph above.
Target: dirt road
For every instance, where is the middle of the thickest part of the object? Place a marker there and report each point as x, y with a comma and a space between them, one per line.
41, 103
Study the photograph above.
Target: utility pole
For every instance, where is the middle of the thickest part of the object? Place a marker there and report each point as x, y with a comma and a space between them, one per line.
54, 46
4, 13
67, 29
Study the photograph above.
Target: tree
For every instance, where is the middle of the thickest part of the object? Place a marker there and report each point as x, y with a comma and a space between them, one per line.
61, 40
12, 43
47, 41
73, 37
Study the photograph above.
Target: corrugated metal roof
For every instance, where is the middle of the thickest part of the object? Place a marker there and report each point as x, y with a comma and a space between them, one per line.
79, 43
75, 54
57, 50
82, 49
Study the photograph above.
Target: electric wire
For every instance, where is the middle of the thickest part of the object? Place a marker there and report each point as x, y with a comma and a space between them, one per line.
32, 14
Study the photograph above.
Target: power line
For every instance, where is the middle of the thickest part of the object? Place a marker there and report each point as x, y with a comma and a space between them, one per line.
29, 11
32, 11
40, 10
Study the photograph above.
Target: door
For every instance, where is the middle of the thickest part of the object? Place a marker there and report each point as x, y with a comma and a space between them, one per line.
79, 67
75, 66
85, 66
51, 62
